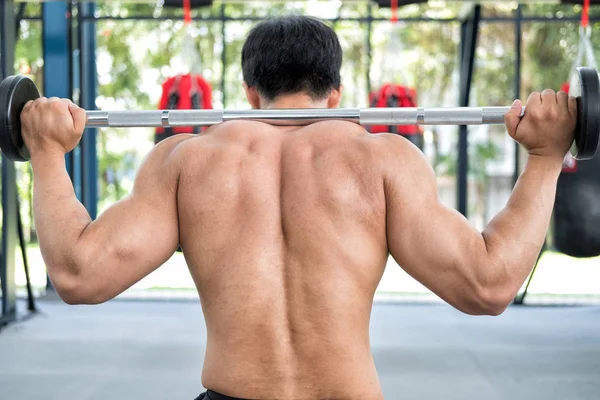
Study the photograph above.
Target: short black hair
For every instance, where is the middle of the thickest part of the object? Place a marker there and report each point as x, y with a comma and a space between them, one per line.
292, 54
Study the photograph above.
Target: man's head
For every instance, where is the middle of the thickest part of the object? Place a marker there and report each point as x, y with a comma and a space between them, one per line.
292, 62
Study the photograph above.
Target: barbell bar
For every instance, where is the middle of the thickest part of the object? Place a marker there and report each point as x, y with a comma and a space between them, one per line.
16, 91
298, 117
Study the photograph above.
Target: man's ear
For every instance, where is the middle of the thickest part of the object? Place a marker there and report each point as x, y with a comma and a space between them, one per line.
252, 96
335, 97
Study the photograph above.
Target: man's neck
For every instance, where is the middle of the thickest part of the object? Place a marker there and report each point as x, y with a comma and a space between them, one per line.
294, 101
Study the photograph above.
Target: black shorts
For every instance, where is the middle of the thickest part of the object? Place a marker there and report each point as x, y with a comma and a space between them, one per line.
210, 395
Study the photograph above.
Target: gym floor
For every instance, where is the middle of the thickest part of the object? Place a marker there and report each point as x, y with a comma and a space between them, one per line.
153, 350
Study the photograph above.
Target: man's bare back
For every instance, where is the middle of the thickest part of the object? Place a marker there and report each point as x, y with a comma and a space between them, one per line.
284, 233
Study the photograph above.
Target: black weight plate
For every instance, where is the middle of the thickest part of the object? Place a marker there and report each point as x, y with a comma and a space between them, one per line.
15, 92
587, 133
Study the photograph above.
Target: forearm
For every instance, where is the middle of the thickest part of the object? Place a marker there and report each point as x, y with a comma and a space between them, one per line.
516, 235
60, 218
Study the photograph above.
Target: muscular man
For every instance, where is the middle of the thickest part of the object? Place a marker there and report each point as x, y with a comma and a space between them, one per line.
286, 230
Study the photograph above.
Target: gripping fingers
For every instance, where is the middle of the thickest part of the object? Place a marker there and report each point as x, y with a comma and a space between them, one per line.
27, 105
79, 117
549, 97
534, 101
562, 98
513, 118
572, 104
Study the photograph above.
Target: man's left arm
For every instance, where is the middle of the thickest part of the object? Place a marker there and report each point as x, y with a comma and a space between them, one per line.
93, 261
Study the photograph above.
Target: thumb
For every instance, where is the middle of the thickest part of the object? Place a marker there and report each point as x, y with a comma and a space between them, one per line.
79, 117
513, 117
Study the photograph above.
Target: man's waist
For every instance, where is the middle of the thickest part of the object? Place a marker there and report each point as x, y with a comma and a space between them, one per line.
212, 395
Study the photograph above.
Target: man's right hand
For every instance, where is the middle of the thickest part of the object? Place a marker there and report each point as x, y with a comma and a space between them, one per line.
52, 125
548, 126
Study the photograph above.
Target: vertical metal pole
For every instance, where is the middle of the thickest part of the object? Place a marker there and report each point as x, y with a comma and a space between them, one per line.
88, 74
518, 34
9, 177
223, 56
57, 62
369, 46
57, 58
469, 30
20, 14
75, 39
462, 167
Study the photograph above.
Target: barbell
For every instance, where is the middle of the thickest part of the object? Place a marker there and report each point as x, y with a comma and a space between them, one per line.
16, 91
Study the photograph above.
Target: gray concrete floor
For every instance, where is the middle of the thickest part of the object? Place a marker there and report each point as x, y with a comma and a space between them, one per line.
153, 350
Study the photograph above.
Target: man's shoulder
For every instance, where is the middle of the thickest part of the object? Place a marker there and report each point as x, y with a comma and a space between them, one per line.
396, 142
404, 163
397, 147
172, 142
166, 153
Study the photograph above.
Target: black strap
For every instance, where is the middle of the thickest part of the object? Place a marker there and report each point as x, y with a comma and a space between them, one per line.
30, 299
392, 102
172, 104
196, 99
373, 104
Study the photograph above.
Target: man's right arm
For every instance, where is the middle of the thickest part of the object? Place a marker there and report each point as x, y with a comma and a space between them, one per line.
478, 272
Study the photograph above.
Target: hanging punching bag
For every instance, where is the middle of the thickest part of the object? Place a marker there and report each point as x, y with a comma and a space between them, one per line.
183, 92
394, 95
577, 209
